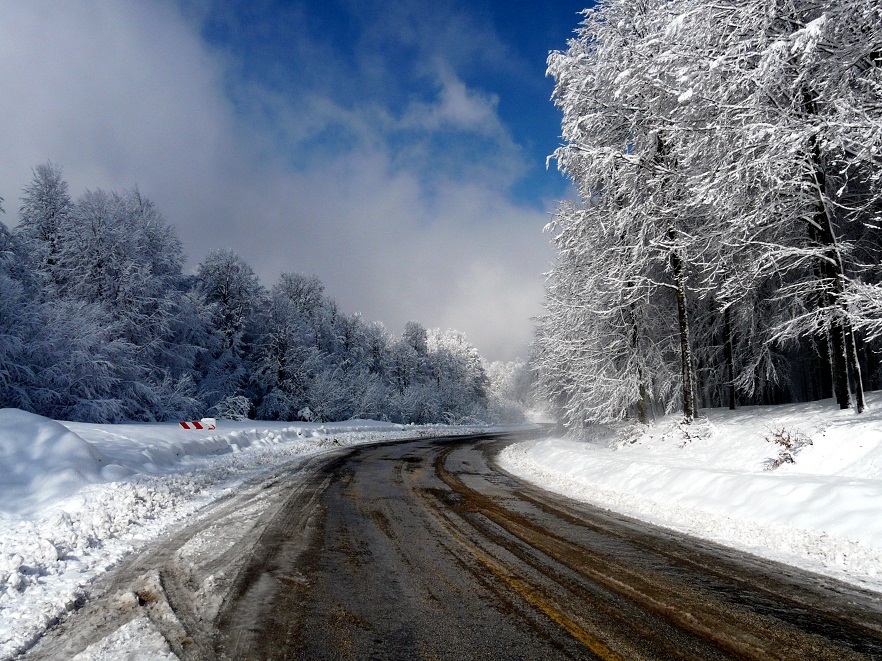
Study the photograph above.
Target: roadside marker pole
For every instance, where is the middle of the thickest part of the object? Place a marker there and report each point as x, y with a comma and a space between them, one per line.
205, 423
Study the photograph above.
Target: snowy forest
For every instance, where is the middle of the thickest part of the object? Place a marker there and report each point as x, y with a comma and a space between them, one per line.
99, 323
725, 244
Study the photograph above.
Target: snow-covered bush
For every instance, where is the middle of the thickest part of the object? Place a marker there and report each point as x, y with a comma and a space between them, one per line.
232, 407
789, 442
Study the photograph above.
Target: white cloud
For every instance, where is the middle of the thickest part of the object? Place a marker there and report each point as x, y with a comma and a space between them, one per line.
457, 108
117, 93
127, 92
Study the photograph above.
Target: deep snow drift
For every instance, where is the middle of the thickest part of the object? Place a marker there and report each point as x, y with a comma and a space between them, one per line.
76, 497
730, 478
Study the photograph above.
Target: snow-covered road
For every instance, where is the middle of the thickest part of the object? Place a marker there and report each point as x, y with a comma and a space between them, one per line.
424, 549
76, 498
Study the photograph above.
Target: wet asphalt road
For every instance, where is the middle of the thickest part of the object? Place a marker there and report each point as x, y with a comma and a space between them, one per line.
426, 550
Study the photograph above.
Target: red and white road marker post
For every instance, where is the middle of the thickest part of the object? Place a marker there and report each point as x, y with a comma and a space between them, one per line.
205, 423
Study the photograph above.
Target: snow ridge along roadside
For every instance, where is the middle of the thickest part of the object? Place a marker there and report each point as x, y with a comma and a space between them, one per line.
726, 479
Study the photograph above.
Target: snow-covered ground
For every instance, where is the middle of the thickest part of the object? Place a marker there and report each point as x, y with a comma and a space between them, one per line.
75, 497
719, 480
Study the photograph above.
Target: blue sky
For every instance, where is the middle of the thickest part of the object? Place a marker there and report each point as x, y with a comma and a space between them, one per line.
394, 149
393, 55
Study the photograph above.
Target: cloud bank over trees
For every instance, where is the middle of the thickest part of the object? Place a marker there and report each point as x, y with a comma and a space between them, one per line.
412, 191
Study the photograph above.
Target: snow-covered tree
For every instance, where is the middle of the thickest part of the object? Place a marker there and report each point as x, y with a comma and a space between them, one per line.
727, 154
98, 323
45, 213
790, 158
458, 374
625, 156
511, 392
232, 292
116, 251
18, 323
287, 356
603, 319
416, 336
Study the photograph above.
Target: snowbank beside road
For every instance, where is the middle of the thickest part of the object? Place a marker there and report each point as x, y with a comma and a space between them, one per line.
155, 449
717, 480
41, 461
77, 497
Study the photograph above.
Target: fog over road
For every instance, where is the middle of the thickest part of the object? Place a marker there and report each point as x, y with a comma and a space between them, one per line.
425, 550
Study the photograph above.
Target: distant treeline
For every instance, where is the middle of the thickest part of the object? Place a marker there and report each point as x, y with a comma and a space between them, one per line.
99, 323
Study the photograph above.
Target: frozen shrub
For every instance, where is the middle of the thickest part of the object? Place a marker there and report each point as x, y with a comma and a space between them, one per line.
789, 443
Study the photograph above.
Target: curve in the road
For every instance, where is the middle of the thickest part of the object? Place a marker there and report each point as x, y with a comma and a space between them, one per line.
427, 550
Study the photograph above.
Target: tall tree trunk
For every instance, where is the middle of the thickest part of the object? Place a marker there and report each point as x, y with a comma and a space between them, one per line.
677, 266
872, 362
730, 356
855, 365
839, 365
822, 370
843, 354
642, 388
643, 404
843, 351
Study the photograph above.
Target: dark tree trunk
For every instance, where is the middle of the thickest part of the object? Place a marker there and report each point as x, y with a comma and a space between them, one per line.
822, 369
643, 404
872, 362
678, 268
839, 365
843, 353
855, 367
643, 390
730, 356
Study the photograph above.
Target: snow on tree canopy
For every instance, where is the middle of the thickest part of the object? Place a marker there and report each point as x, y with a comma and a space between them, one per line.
725, 245
98, 323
